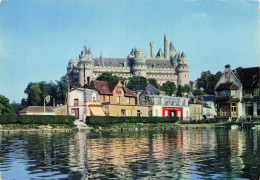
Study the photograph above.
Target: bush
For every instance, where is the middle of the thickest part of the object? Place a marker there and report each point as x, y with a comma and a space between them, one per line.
105, 120
36, 119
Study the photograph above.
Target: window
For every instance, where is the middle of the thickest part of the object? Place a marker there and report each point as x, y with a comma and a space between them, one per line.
128, 100
258, 109
117, 99
233, 92
94, 99
156, 112
104, 98
233, 109
138, 113
123, 112
224, 111
76, 102
256, 91
249, 109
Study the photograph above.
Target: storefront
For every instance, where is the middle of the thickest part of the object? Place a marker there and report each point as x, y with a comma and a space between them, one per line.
173, 111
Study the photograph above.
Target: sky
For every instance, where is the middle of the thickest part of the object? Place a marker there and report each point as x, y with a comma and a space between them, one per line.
39, 37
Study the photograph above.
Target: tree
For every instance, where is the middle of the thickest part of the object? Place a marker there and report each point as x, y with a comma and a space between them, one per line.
108, 77
34, 94
197, 92
135, 81
5, 107
62, 88
187, 88
208, 81
180, 91
169, 88
16, 107
73, 78
153, 82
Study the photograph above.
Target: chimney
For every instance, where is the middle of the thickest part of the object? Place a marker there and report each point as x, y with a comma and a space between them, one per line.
227, 66
152, 44
166, 46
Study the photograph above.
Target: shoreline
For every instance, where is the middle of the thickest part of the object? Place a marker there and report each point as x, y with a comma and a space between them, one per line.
122, 127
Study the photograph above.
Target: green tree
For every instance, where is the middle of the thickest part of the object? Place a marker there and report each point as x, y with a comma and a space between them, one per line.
73, 78
34, 94
16, 107
197, 92
180, 91
5, 107
208, 81
153, 82
187, 88
108, 77
62, 88
169, 88
135, 81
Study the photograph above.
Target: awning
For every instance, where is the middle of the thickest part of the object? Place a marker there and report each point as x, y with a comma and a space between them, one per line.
96, 111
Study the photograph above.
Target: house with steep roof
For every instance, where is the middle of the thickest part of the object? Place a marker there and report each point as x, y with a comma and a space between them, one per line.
37, 110
237, 93
116, 99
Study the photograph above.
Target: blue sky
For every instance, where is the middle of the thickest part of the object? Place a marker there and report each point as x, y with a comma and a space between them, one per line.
38, 37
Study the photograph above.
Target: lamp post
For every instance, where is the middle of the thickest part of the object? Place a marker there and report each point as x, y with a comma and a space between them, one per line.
47, 99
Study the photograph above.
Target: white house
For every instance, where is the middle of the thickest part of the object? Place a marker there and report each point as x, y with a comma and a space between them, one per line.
84, 102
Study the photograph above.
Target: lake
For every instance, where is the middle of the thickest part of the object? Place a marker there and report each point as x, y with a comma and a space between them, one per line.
164, 154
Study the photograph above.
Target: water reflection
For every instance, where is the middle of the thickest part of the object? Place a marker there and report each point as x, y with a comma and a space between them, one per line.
175, 154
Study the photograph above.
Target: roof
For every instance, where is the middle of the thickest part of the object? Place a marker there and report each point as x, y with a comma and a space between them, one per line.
206, 97
108, 87
249, 77
37, 109
110, 61
147, 87
101, 86
229, 85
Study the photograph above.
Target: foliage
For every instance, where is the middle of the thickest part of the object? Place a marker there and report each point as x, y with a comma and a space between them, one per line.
36, 119
73, 78
17, 107
197, 92
169, 88
5, 107
153, 82
37, 91
208, 81
109, 77
105, 120
135, 81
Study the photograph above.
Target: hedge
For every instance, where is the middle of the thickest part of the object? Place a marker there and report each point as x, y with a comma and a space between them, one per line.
105, 120
37, 119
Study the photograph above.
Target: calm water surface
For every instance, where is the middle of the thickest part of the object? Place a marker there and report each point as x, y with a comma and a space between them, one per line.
174, 154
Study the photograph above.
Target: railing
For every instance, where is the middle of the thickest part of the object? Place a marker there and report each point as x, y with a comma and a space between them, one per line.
248, 96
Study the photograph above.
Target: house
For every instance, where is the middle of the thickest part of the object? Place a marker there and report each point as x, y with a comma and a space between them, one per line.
37, 110
237, 93
161, 104
209, 109
116, 99
84, 102
196, 107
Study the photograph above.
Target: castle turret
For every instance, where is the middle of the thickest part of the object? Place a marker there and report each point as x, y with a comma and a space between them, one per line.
152, 44
166, 46
183, 70
85, 66
139, 67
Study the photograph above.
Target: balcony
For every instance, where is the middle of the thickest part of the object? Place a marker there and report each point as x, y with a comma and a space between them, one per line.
248, 96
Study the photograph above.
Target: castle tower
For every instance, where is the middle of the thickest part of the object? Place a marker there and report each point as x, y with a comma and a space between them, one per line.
183, 70
139, 67
166, 47
85, 66
152, 44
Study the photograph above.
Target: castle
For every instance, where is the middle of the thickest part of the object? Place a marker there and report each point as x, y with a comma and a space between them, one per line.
169, 65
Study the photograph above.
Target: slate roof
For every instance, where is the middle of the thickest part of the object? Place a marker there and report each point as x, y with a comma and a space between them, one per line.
109, 61
147, 87
37, 109
249, 77
206, 97
229, 85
